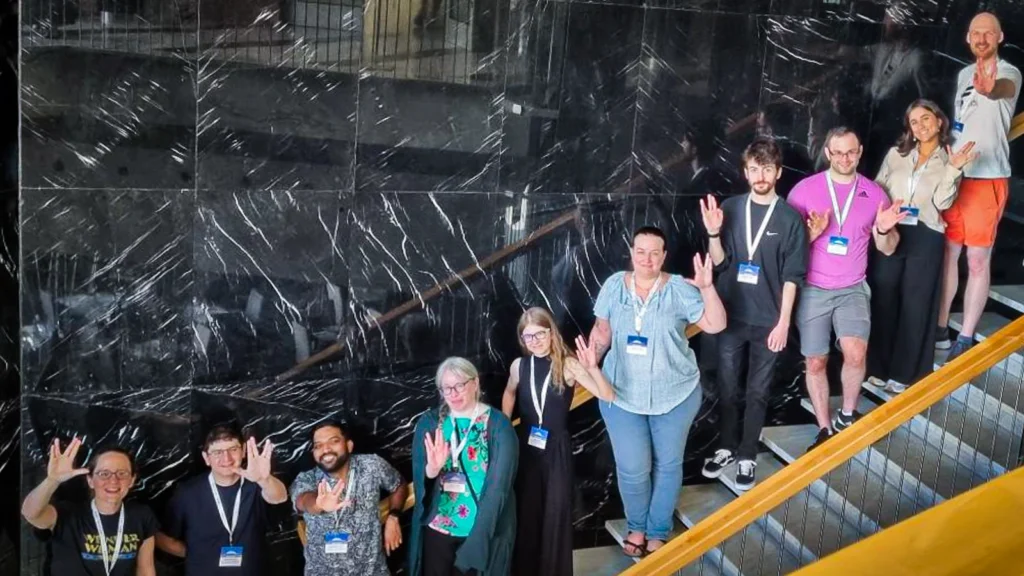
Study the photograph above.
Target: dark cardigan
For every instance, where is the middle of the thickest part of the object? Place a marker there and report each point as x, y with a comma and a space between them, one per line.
488, 548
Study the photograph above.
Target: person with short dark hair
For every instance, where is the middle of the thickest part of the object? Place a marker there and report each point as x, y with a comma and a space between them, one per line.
108, 537
218, 521
339, 502
641, 323
759, 246
845, 213
923, 172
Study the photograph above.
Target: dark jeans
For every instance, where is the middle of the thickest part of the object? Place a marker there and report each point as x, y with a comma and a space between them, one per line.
905, 306
439, 554
742, 347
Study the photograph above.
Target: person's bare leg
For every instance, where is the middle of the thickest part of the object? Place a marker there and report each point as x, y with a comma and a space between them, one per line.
979, 277
855, 352
817, 389
950, 281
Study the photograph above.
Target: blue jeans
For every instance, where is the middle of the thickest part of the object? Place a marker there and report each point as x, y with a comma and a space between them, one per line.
650, 500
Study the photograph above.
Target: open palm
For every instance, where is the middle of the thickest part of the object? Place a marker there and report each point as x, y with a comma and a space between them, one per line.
61, 466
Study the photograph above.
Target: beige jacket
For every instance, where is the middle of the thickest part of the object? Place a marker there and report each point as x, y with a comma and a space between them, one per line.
935, 191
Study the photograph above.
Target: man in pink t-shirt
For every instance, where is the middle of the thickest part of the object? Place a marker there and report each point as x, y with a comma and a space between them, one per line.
845, 211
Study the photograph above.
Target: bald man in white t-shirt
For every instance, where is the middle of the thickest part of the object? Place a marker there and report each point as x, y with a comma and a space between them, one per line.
986, 97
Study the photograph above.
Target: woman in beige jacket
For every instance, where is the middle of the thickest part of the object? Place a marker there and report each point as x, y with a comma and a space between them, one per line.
922, 173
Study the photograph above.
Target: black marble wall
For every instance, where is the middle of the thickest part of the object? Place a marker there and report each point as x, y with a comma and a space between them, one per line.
211, 193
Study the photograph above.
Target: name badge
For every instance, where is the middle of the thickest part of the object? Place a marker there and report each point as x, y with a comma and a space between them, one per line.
911, 215
838, 245
958, 129
748, 273
454, 483
538, 437
230, 556
336, 542
636, 345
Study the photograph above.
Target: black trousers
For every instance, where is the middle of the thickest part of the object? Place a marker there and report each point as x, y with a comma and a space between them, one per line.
905, 292
744, 348
439, 554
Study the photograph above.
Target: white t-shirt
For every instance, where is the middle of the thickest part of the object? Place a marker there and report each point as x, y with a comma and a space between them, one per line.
986, 122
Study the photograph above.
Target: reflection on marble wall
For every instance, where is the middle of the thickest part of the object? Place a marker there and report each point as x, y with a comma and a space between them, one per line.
214, 191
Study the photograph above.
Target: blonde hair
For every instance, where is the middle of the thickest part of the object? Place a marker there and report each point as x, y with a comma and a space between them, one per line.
538, 316
461, 367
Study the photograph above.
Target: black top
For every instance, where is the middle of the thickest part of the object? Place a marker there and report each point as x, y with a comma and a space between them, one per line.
782, 256
75, 543
556, 408
192, 517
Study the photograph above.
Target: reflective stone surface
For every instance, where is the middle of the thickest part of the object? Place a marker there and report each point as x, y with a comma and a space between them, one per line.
214, 191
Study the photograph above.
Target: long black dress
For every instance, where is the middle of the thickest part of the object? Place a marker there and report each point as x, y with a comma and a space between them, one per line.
544, 481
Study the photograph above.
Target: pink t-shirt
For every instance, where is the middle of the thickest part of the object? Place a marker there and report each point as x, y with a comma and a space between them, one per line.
832, 271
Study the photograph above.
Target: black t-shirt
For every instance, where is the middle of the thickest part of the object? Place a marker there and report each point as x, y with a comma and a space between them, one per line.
75, 547
193, 518
782, 256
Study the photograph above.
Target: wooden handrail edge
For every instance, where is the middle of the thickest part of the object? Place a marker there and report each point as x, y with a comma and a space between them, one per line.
775, 490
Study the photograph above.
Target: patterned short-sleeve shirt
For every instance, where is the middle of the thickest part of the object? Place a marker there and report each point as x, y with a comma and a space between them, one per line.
365, 557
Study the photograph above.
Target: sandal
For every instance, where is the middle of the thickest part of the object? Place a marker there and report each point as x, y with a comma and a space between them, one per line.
648, 548
633, 549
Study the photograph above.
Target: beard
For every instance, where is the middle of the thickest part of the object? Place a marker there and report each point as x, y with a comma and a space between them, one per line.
339, 461
762, 188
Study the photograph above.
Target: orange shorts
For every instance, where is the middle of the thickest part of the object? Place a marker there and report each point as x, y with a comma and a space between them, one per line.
974, 216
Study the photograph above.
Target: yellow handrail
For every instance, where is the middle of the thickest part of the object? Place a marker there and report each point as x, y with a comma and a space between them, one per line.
792, 479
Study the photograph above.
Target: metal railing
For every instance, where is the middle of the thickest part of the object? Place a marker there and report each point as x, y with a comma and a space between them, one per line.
955, 429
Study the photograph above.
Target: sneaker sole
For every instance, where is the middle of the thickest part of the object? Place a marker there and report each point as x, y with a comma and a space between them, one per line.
744, 487
839, 426
943, 345
713, 475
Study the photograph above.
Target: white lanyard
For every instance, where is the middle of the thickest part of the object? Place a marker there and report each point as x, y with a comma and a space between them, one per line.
457, 450
543, 401
108, 559
350, 478
639, 310
840, 217
915, 175
752, 244
220, 507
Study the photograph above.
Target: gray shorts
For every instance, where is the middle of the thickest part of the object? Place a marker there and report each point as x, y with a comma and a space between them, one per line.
820, 311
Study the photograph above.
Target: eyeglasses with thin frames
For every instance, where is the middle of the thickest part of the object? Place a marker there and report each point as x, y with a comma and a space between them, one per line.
455, 388
234, 451
105, 475
538, 336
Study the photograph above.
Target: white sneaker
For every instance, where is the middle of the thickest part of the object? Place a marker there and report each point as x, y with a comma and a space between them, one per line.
894, 387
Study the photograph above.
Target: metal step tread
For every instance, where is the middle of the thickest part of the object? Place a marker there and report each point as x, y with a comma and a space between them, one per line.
601, 561
1012, 296
750, 552
809, 528
967, 434
1001, 392
877, 457
617, 528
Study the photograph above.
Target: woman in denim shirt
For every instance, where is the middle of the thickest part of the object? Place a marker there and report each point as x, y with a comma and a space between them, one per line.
641, 321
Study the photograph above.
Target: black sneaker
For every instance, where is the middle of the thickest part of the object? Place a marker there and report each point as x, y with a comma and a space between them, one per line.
713, 466
745, 475
942, 340
823, 435
842, 421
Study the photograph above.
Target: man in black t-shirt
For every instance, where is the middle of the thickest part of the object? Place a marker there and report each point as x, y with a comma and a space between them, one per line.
108, 536
759, 246
218, 521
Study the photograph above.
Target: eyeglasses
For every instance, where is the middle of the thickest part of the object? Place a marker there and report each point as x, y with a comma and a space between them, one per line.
847, 154
538, 336
105, 475
234, 451
455, 388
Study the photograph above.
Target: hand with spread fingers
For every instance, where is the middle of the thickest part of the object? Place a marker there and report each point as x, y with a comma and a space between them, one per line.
437, 453
61, 466
963, 156
586, 353
712, 215
985, 78
887, 218
329, 499
703, 272
257, 462
816, 224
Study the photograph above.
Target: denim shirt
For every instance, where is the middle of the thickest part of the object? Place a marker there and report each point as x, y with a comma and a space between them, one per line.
667, 375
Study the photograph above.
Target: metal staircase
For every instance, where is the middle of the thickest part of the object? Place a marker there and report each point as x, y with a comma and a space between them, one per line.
964, 440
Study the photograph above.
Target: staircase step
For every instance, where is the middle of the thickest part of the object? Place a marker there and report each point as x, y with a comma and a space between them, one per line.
617, 528
751, 552
1012, 296
602, 561
987, 447
989, 324
807, 526
876, 459
1000, 393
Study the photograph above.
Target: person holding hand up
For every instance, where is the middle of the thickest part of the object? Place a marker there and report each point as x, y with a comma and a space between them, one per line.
464, 458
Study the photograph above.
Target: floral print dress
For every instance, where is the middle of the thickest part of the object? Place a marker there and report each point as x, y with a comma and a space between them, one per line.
454, 514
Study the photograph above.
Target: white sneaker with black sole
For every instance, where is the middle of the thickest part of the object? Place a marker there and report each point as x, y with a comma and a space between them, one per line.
714, 466
745, 475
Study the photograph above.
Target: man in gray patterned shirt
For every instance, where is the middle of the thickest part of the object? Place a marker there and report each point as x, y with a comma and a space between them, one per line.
339, 502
